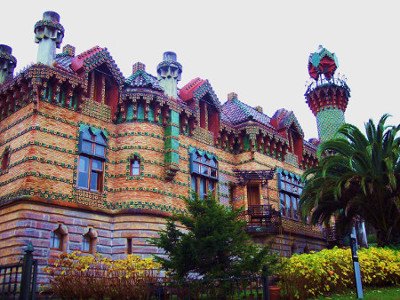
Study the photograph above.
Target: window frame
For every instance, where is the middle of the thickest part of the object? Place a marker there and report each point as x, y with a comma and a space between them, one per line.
132, 160
90, 239
290, 188
95, 141
203, 173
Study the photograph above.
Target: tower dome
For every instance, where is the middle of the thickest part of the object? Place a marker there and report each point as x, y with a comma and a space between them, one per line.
327, 95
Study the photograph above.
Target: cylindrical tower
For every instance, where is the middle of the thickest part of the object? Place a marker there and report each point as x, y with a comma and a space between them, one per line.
169, 73
7, 63
326, 96
48, 34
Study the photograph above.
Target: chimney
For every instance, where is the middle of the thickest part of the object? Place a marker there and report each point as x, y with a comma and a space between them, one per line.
232, 96
48, 34
138, 67
169, 73
259, 109
69, 50
7, 63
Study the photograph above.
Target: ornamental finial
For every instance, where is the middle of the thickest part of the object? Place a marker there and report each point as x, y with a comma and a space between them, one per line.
169, 73
7, 63
49, 34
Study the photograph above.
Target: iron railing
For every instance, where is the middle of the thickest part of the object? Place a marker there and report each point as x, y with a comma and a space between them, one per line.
18, 281
262, 219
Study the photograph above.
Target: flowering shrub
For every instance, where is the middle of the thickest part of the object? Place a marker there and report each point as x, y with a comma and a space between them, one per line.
311, 275
77, 276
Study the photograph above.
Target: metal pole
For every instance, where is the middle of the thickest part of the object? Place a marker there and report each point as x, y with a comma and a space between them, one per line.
356, 265
26, 278
265, 283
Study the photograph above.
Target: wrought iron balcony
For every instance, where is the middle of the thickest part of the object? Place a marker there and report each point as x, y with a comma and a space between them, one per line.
262, 219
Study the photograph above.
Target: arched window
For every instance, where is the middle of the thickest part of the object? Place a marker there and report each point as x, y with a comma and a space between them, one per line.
5, 159
92, 148
204, 173
135, 166
58, 238
89, 241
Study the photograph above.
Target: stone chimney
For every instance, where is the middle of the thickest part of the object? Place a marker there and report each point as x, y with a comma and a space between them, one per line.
232, 96
138, 67
169, 73
7, 63
259, 109
69, 50
48, 34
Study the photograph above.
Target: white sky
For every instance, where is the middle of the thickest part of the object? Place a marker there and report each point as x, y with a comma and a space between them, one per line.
258, 49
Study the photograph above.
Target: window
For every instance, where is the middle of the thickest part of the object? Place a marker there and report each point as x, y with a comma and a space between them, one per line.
89, 241
135, 166
290, 188
58, 238
92, 148
129, 245
204, 173
5, 159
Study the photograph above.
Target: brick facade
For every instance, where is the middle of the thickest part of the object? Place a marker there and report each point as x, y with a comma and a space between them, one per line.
42, 113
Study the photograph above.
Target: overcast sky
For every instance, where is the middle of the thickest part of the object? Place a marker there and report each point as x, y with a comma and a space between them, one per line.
258, 49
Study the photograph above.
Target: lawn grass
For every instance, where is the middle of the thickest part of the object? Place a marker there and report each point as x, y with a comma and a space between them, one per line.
387, 293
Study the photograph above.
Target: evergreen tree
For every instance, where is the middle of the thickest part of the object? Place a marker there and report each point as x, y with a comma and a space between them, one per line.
210, 242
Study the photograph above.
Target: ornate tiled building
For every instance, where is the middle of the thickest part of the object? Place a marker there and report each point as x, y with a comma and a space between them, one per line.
94, 161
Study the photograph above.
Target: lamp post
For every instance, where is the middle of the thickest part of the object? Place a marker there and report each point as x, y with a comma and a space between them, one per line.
356, 265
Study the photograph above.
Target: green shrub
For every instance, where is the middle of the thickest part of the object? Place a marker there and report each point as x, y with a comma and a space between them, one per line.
316, 274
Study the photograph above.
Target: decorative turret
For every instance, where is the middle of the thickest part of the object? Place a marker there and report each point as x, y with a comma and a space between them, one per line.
326, 96
169, 73
48, 34
7, 63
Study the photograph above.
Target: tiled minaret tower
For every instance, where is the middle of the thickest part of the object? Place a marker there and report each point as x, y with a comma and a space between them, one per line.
48, 34
7, 63
326, 96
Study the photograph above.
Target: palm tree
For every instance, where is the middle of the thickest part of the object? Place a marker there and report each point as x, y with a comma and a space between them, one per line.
358, 176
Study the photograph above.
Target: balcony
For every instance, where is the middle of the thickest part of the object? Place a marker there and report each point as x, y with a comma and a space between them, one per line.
262, 219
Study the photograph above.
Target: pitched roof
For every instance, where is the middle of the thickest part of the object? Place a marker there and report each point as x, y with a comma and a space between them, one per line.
196, 89
142, 79
94, 57
284, 119
238, 112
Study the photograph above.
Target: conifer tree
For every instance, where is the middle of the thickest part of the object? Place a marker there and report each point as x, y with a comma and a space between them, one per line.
210, 241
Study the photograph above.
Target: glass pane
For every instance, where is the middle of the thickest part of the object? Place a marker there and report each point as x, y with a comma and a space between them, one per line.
94, 179
294, 206
283, 206
100, 150
135, 167
214, 173
202, 188
196, 167
203, 170
97, 165
86, 135
86, 244
287, 204
211, 186
86, 147
193, 183
213, 163
55, 240
83, 172
100, 139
